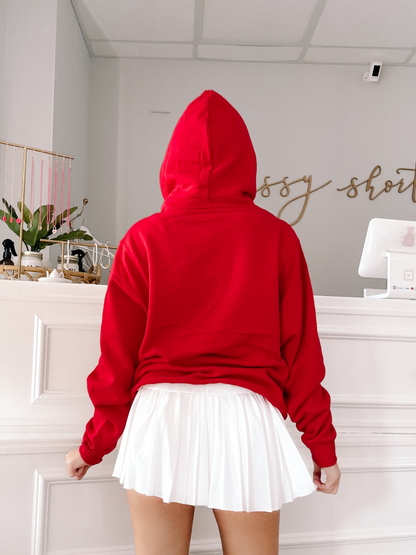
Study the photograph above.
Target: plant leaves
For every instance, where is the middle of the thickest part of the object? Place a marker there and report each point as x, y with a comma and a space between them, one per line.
26, 214
15, 227
64, 215
32, 235
10, 209
77, 234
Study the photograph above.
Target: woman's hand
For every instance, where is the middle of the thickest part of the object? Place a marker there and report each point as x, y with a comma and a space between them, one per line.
75, 465
333, 476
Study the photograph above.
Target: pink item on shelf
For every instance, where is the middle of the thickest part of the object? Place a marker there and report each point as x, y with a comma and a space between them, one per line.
69, 196
40, 201
55, 195
12, 186
62, 189
48, 210
32, 191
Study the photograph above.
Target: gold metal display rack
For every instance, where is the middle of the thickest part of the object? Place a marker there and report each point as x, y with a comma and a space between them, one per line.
14, 272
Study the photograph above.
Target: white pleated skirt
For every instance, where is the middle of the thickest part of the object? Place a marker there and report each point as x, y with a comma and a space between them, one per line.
217, 445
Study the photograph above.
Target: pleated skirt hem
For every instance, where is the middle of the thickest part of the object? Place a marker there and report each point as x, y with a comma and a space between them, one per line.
218, 445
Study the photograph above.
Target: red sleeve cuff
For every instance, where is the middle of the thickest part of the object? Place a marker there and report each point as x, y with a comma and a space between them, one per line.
88, 457
324, 454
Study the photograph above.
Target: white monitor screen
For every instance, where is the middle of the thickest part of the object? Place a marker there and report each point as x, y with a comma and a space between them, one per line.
385, 236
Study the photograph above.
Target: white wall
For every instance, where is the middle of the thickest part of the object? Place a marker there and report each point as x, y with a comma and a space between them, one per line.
303, 119
29, 72
3, 13
104, 181
45, 85
71, 98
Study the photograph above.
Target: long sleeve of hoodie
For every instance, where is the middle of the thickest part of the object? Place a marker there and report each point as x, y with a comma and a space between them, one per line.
308, 403
211, 289
110, 384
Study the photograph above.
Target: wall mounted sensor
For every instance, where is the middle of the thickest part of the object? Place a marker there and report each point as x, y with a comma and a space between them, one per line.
374, 74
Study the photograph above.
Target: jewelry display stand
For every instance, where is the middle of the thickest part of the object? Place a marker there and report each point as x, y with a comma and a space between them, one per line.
93, 275
76, 277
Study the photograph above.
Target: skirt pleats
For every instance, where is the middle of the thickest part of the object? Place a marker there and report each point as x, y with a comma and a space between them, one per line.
216, 445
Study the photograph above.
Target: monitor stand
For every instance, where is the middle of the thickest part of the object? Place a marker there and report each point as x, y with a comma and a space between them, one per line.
401, 278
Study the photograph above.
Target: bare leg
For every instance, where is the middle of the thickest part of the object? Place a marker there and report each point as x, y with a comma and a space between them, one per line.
248, 533
160, 528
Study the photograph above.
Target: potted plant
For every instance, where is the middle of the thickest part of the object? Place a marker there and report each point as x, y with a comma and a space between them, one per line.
35, 226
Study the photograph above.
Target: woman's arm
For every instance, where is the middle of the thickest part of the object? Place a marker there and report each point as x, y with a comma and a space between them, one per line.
110, 384
308, 403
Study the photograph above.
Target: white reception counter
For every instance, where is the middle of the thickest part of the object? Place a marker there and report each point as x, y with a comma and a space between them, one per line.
49, 342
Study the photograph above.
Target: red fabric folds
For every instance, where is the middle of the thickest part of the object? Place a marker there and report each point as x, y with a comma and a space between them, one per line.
211, 289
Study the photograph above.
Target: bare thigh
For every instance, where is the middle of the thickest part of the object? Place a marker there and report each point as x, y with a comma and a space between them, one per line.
248, 533
159, 528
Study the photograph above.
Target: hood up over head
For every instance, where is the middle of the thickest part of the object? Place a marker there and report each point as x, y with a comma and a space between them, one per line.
210, 161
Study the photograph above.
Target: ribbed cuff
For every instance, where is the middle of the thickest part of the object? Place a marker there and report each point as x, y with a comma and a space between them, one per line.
324, 454
88, 457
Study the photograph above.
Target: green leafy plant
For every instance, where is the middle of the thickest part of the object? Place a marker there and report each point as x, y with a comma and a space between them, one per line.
35, 225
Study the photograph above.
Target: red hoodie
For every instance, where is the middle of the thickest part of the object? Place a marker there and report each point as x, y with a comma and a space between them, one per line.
211, 289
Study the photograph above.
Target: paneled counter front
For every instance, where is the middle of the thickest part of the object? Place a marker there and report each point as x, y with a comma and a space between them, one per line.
49, 343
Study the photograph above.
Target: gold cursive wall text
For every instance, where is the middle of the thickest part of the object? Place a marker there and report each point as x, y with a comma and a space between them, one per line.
352, 189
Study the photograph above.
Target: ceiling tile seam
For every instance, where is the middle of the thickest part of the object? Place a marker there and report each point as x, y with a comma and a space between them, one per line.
250, 43
296, 62
285, 62
363, 64
83, 32
204, 42
256, 45
343, 47
121, 41
311, 28
199, 7
135, 57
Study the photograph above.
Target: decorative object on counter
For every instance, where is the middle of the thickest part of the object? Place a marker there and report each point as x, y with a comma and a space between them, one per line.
80, 254
31, 259
9, 250
92, 276
70, 263
39, 227
55, 277
104, 259
34, 225
102, 256
36, 273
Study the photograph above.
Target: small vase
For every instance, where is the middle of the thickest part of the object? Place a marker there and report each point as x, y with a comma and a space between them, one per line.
73, 263
34, 260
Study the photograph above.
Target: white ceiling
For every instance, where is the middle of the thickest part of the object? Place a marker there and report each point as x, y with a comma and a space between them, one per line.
279, 31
